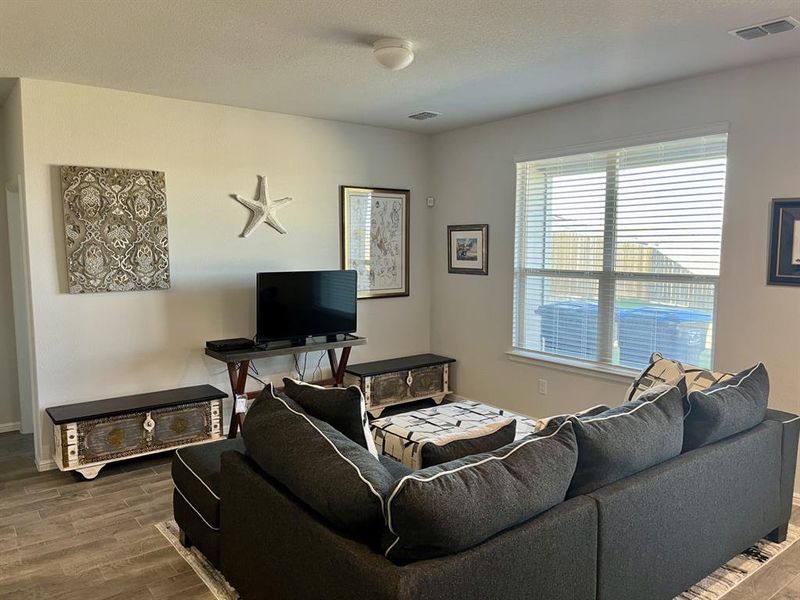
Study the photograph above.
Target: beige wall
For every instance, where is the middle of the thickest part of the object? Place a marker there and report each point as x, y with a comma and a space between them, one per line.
10, 165
474, 182
100, 345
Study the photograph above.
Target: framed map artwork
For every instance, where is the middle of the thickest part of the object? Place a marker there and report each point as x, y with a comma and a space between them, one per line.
374, 239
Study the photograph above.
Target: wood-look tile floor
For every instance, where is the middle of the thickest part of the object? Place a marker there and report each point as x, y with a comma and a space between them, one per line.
63, 537
67, 538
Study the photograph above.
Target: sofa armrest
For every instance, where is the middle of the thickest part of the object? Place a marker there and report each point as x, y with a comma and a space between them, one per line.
791, 434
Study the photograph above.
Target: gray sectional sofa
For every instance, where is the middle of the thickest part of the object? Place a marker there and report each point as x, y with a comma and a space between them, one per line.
648, 536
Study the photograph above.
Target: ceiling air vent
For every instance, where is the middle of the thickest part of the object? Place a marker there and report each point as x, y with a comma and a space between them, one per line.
424, 115
764, 29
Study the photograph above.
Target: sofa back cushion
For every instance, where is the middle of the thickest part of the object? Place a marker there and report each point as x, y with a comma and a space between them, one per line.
627, 439
343, 408
456, 505
726, 408
325, 470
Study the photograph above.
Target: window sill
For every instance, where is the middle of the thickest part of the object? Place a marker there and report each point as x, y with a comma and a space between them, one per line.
573, 365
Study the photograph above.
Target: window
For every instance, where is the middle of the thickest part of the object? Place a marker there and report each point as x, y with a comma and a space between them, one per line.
617, 252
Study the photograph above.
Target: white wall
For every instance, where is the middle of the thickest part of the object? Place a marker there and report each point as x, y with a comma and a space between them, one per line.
100, 345
10, 143
473, 175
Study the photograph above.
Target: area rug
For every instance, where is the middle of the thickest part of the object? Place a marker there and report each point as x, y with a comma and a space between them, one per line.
213, 579
713, 587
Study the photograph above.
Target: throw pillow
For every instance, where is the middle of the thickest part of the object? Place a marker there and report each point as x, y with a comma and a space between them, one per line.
473, 441
667, 371
726, 408
325, 470
343, 408
456, 505
627, 439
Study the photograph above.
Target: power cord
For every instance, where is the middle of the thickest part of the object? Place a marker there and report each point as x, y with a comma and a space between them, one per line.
318, 368
252, 372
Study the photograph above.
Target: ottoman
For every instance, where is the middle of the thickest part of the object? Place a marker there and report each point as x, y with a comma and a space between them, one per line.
195, 501
402, 436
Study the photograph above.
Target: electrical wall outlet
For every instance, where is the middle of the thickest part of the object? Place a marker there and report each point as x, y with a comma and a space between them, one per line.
431, 201
543, 387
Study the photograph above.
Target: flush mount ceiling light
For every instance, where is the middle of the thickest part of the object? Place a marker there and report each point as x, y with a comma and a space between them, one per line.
393, 54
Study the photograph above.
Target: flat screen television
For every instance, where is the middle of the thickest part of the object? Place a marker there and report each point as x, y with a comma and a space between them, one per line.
295, 305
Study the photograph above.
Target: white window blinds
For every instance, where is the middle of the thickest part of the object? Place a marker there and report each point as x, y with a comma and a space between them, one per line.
617, 252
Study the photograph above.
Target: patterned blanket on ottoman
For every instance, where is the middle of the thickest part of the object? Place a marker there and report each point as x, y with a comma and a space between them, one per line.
402, 436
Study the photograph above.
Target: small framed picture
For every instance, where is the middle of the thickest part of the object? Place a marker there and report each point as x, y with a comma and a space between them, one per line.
468, 249
784, 253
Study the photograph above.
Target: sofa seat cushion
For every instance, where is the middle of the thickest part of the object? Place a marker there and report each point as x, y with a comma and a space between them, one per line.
627, 439
196, 475
726, 408
343, 408
328, 472
456, 505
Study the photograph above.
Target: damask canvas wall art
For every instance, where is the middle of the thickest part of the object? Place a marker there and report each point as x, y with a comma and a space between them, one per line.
374, 239
116, 229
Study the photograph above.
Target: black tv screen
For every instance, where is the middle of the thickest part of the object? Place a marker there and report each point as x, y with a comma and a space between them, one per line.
300, 304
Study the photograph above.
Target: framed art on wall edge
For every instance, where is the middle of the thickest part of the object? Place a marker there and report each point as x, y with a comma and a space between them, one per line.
468, 249
784, 252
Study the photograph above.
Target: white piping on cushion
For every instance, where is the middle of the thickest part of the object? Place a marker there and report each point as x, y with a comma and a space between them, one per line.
542, 423
790, 420
200, 479
437, 475
342, 456
737, 384
633, 410
185, 499
362, 407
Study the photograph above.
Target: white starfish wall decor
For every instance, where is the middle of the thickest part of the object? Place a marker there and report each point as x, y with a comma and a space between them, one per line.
263, 208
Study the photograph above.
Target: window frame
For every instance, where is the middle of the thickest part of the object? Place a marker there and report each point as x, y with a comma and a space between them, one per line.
606, 277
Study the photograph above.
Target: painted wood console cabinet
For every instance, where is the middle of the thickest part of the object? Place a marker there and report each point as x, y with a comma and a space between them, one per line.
89, 435
399, 380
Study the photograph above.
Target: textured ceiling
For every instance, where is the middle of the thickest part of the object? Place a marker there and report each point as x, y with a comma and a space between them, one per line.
477, 60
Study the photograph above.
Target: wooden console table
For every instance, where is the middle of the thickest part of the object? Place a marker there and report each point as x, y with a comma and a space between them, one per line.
238, 362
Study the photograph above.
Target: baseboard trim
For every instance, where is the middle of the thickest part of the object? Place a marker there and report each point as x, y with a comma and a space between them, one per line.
9, 427
46, 465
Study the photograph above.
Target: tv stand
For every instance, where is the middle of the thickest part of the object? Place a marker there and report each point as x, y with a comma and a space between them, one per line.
238, 362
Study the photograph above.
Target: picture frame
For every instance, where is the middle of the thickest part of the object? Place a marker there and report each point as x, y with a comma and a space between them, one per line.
784, 253
468, 249
374, 231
